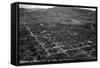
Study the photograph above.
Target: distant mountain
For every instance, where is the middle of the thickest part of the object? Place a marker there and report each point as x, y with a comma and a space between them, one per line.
63, 15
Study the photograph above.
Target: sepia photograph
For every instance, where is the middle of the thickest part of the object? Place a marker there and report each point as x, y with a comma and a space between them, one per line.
51, 33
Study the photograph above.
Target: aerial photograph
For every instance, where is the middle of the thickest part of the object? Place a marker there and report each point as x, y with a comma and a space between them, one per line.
57, 33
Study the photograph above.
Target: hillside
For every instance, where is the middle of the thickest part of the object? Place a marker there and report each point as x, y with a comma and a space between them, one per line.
62, 14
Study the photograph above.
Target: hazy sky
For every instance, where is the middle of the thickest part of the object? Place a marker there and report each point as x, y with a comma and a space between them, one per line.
45, 7
34, 6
